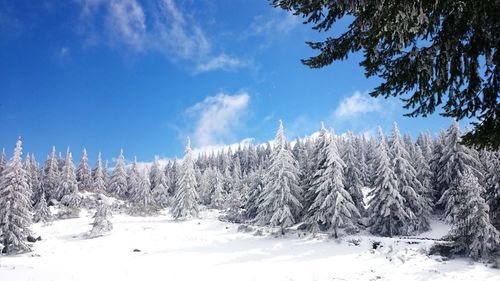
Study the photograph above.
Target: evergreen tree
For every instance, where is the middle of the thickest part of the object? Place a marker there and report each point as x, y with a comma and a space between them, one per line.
333, 206
234, 204
33, 175
492, 182
68, 186
388, 213
425, 144
456, 159
83, 173
280, 200
472, 233
408, 184
253, 191
98, 178
118, 181
217, 197
15, 204
42, 211
186, 198
50, 177
3, 160
142, 197
353, 177
133, 178
437, 168
159, 186
317, 159
101, 224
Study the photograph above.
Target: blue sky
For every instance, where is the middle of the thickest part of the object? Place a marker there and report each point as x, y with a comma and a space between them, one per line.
144, 75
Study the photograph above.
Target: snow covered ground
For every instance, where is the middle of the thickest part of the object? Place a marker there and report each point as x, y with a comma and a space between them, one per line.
207, 249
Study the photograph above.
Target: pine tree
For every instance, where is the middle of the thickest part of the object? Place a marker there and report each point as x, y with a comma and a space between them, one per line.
42, 211
33, 178
353, 177
159, 186
205, 185
280, 201
234, 203
15, 204
456, 159
98, 178
408, 184
84, 174
492, 183
101, 224
186, 198
317, 159
388, 214
333, 206
68, 186
118, 181
253, 191
133, 178
217, 197
141, 196
3, 160
50, 177
472, 233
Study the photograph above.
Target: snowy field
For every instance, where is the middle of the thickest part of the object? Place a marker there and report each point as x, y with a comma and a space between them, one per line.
208, 249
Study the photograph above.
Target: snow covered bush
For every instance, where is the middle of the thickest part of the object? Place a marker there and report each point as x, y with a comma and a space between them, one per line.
101, 224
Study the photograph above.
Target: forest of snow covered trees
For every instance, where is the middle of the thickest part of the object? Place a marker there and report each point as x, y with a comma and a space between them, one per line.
390, 185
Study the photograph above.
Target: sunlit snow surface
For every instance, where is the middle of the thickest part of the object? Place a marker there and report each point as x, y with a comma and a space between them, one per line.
207, 249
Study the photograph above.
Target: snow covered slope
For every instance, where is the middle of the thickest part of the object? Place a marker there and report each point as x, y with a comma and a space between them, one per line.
207, 249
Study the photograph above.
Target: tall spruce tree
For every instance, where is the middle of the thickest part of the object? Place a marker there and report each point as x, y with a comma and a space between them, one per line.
492, 183
317, 159
50, 177
353, 177
83, 173
280, 200
68, 186
118, 181
185, 199
333, 207
456, 159
133, 178
158, 182
408, 184
3, 160
98, 178
141, 196
15, 204
472, 233
34, 178
388, 214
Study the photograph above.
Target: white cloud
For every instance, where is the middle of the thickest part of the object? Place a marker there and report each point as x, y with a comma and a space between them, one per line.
125, 22
174, 35
279, 22
158, 28
218, 148
356, 104
221, 62
217, 118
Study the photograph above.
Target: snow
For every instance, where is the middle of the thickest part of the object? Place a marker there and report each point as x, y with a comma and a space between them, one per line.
208, 249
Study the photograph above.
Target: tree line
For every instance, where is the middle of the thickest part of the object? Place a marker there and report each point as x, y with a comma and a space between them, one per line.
391, 185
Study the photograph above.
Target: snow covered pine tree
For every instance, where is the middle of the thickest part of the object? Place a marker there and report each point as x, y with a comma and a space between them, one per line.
185, 199
15, 205
280, 200
472, 234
